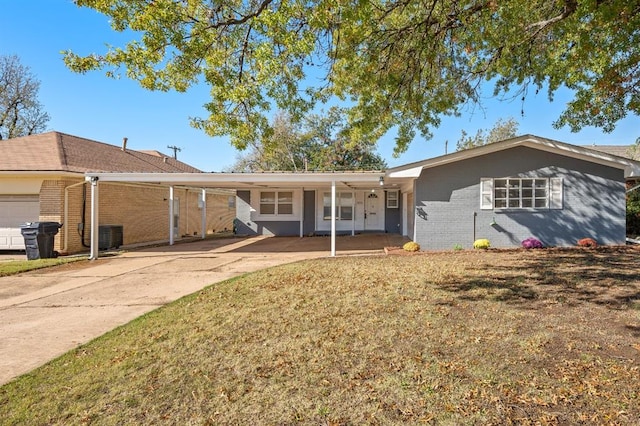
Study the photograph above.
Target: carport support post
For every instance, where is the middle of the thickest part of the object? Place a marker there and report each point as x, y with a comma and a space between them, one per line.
94, 246
333, 218
204, 213
353, 214
171, 224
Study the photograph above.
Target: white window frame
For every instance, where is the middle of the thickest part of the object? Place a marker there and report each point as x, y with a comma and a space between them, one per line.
341, 208
521, 193
277, 203
393, 200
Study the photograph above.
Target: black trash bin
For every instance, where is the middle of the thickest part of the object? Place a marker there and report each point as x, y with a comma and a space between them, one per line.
39, 238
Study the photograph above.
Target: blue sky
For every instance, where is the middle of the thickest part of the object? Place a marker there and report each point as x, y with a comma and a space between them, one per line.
99, 108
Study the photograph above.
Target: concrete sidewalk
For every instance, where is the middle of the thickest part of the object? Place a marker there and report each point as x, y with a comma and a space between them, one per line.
48, 312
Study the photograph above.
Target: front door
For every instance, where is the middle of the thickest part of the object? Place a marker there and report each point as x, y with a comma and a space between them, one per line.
373, 212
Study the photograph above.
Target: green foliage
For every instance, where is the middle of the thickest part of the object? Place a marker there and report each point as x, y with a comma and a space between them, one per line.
457, 247
21, 113
634, 150
411, 246
503, 129
633, 210
481, 243
398, 64
320, 143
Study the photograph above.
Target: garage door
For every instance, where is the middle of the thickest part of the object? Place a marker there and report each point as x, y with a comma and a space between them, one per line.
14, 211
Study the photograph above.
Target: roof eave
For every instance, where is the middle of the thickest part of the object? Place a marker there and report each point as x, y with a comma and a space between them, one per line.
544, 144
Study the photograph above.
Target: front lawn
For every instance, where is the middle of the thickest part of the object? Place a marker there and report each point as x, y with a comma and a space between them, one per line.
13, 267
465, 337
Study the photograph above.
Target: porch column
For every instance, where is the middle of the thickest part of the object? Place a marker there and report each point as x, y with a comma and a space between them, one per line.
94, 245
333, 218
171, 224
204, 213
302, 214
353, 213
405, 214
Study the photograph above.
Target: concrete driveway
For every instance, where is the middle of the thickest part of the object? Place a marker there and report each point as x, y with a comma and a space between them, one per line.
46, 313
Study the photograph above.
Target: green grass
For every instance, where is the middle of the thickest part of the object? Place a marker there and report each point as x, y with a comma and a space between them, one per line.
464, 337
13, 267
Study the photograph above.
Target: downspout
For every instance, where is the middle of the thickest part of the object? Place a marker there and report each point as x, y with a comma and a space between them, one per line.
475, 215
66, 215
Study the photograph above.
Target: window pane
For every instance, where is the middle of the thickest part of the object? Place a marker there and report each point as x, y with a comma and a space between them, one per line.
541, 183
527, 193
514, 183
346, 213
527, 183
541, 193
345, 197
541, 203
285, 208
267, 197
500, 183
527, 202
326, 214
267, 209
285, 197
501, 193
501, 204
514, 203
514, 193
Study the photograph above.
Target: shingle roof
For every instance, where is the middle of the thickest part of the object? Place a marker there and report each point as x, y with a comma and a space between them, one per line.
624, 151
55, 151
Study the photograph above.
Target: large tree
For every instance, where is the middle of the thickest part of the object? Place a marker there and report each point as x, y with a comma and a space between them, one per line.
319, 143
501, 130
20, 111
398, 63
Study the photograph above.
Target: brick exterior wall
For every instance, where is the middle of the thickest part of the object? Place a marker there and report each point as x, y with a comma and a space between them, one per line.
142, 210
449, 196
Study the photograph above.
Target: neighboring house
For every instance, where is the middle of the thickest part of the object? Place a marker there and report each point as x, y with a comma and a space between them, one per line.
625, 151
506, 192
42, 178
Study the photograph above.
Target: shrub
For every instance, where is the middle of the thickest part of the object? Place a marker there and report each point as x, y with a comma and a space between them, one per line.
482, 243
532, 243
411, 246
457, 247
587, 242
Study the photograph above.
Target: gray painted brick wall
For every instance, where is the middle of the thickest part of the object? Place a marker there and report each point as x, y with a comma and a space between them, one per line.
447, 197
245, 226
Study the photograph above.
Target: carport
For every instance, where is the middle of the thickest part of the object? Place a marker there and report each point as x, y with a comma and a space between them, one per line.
235, 181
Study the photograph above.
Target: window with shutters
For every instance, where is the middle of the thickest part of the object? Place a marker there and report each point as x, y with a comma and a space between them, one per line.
520, 193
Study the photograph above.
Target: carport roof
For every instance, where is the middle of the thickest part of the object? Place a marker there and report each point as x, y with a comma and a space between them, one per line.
351, 180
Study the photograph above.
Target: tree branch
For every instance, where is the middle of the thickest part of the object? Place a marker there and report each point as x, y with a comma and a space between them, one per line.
570, 7
243, 19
